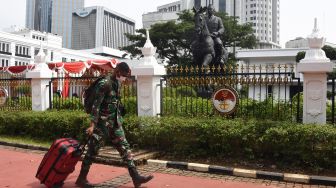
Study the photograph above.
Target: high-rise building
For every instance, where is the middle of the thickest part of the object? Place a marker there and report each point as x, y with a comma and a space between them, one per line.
38, 15
262, 14
95, 27
52, 16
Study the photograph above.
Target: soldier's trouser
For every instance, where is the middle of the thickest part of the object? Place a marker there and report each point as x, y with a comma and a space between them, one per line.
116, 136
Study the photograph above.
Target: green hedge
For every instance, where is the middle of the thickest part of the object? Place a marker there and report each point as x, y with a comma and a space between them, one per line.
306, 145
47, 125
295, 144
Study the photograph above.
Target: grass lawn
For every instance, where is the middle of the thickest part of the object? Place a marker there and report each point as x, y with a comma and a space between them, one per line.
24, 140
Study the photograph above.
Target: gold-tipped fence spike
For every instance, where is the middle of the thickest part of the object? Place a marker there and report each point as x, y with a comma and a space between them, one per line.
218, 68
187, 69
176, 69
181, 69
192, 69
202, 68
197, 69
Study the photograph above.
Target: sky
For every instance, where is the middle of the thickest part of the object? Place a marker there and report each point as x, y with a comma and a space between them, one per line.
296, 16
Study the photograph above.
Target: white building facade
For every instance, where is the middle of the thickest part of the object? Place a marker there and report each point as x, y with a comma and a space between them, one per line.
95, 27
300, 42
53, 16
273, 61
263, 15
20, 48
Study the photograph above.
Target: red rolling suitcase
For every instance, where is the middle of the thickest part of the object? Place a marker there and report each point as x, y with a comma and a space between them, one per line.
59, 162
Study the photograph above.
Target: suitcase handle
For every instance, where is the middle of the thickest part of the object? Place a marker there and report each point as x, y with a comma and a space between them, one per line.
86, 141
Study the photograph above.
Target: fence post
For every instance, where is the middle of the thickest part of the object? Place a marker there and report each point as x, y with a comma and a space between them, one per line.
314, 68
40, 77
148, 74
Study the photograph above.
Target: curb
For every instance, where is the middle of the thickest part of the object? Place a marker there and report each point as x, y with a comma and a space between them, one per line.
24, 146
102, 159
296, 178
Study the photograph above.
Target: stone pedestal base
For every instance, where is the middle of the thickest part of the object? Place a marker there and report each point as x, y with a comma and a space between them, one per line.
314, 91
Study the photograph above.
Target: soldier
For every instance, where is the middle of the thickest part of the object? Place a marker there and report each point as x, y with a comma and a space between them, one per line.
106, 124
216, 29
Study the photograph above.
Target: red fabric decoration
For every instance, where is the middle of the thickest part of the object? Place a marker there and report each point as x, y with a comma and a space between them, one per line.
67, 67
65, 91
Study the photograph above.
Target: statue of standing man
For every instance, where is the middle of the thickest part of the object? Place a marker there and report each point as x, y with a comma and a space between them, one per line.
216, 29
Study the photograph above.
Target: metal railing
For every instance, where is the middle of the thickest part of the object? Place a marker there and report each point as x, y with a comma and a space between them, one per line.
264, 91
66, 91
16, 92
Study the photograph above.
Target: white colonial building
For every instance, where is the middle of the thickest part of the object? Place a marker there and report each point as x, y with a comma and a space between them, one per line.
300, 42
21, 47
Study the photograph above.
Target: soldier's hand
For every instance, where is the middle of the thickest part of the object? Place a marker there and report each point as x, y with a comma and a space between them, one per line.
215, 34
89, 130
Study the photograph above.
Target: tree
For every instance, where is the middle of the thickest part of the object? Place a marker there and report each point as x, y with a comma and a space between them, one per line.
300, 55
173, 39
330, 52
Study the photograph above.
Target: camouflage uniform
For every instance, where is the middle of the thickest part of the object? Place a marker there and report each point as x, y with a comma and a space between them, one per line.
108, 123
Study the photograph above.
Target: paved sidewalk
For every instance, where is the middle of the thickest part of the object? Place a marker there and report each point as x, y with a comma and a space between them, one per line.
18, 168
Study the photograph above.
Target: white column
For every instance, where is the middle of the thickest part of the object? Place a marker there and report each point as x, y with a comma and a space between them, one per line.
40, 76
314, 68
148, 73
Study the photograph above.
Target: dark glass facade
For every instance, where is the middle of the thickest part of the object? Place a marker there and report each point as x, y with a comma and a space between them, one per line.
197, 3
222, 5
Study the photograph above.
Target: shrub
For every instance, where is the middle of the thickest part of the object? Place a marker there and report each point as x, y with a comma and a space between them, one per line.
282, 142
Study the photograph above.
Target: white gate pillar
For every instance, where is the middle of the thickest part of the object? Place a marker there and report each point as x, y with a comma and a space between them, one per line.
314, 68
40, 76
148, 74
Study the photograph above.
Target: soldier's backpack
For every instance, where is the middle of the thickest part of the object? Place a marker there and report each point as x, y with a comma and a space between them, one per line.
89, 93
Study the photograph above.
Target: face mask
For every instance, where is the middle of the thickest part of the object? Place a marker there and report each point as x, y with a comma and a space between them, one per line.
121, 78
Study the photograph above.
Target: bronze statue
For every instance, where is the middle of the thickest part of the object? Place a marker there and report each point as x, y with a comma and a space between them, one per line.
207, 47
216, 29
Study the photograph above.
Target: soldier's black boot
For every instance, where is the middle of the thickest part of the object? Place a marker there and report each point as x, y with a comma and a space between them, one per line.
138, 179
82, 179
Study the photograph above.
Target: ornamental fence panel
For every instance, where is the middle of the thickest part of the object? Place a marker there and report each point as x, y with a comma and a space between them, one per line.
15, 92
331, 99
264, 91
66, 91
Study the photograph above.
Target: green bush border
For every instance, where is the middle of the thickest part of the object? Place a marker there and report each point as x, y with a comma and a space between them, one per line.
294, 144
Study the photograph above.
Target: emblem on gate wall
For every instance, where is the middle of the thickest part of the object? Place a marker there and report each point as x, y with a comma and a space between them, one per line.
225, 100
3, 96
